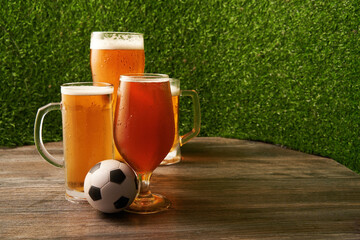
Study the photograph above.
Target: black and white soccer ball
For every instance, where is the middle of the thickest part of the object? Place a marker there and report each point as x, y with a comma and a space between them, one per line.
110, 186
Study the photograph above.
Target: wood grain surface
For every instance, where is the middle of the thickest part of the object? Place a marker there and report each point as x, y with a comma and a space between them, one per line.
222, 189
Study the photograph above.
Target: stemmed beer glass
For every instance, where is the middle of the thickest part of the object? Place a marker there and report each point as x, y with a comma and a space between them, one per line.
144, 132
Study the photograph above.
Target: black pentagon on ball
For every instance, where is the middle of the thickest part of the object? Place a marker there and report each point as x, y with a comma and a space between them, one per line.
117, 176
121, 202
96, 167
94, 193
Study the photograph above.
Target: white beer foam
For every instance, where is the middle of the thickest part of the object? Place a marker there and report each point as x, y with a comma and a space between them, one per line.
86, 90
117, 43
175, 91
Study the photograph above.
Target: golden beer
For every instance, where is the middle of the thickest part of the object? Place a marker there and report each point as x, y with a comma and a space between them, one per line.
87, 131
174, 156
113, 54
175, 103
108, 65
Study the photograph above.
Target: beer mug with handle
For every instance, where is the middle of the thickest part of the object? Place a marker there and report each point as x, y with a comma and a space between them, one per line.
174, 156
87, 132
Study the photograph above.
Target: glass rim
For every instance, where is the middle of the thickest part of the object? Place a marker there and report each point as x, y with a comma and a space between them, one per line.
86, 88
122, 33
144, 77
97, 84
174, 80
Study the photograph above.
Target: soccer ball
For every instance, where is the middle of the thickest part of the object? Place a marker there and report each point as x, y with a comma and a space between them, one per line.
110, 186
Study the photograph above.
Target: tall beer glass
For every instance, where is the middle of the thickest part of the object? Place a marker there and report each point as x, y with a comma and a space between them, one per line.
113, 54
87, 132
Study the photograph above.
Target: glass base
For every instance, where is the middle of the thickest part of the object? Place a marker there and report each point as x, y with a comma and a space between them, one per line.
147, 205
75, 196
170, 161
173, 157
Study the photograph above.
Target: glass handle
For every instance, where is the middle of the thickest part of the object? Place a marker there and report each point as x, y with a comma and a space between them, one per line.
38, 134
197, 118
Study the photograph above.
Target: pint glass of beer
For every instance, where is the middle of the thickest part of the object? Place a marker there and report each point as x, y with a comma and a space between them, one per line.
113, 54
87, 132
174, 156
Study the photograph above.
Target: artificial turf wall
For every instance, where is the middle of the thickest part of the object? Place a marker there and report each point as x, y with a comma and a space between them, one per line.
284, 72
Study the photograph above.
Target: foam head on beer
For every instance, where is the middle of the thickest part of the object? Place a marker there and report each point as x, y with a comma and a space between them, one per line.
117, 42
175, 91
86, 90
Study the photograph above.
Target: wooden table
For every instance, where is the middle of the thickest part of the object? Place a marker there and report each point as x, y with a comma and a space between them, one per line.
222, 189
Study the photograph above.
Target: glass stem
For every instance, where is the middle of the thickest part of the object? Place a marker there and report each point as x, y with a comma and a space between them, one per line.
145, 185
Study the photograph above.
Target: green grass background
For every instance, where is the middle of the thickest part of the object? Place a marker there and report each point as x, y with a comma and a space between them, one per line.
283, 71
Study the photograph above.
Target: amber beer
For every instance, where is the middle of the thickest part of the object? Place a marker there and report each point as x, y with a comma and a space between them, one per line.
142, 136
87, 130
